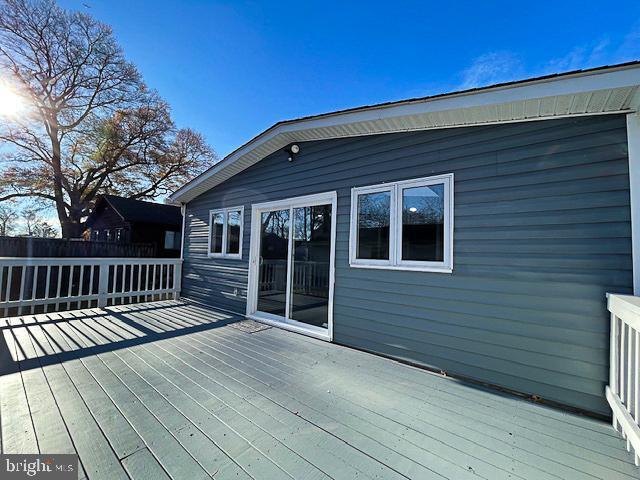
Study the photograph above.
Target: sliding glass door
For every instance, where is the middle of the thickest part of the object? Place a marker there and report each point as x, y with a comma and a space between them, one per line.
292, 263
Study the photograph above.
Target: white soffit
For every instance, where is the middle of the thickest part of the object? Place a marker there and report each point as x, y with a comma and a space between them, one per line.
592, 92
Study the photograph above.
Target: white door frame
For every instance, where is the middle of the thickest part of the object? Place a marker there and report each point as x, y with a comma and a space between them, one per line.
254, 254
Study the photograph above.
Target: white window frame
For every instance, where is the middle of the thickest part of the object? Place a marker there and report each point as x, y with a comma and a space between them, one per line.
395, 261
225, 219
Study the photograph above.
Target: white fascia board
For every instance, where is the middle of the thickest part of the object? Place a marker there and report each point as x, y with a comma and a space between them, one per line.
581, 82
499, 95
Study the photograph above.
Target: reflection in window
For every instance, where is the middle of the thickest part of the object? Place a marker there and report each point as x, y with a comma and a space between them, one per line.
423, 223
217, 226
225, 232
171, 240
309, 296
403, 225
274, 251
234, 223
374, 210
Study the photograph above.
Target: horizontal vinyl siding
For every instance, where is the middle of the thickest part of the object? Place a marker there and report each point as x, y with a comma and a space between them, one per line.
542, 232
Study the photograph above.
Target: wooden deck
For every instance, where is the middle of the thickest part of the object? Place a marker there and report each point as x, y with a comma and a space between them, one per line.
169, 390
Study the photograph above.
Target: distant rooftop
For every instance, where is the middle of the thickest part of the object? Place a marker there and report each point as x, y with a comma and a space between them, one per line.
141, 211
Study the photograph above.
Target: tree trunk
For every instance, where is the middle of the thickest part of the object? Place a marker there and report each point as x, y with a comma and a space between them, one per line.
72, 228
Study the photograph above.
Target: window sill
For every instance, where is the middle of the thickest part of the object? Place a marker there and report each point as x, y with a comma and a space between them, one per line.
406, 268
222, 255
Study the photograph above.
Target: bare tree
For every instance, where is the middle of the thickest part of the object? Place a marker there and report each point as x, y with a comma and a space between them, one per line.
93, 126
35, 225
8, 216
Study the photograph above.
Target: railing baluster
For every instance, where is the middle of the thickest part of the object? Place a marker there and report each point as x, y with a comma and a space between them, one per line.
623, 329
122, 287
8, 293
47, 284
21, 293
60, 267
80, 287
146, 281
153, 282
113, 289
91, 271
69, 290
130, 282
34, 287
4, 312
166, 286
139, 278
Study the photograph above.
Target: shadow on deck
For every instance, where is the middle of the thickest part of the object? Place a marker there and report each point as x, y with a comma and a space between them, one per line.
103, 330
172, 390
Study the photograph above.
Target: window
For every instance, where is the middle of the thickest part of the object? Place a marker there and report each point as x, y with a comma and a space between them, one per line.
171, 240
107, 235
119, 235
225, 232
95, 235
404, 225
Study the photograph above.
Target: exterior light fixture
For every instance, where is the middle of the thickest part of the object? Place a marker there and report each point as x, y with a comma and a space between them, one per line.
293, 149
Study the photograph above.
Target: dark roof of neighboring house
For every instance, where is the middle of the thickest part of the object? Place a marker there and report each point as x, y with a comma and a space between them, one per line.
140, 211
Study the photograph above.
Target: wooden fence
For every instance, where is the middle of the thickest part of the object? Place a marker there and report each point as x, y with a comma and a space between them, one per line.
64, 248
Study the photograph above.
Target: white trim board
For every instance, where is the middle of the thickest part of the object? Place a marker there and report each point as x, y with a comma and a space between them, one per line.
395, 260
254, 254
595, 92
225, 228
633, 140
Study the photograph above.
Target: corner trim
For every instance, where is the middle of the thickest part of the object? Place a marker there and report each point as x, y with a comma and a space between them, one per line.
633, 140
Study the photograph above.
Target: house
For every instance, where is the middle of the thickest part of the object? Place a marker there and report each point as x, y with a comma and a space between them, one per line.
475, 233
125, 220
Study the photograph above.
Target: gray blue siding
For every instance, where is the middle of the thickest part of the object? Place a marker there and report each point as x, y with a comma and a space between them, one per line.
542, 232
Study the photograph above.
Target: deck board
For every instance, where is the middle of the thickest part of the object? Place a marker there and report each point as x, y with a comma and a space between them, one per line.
437, 414
170, 390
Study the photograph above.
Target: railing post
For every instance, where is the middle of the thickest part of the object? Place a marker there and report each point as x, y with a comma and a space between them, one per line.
103, 285
177, 279
613, 360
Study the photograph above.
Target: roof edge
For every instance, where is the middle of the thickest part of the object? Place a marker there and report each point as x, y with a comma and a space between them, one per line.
271, 132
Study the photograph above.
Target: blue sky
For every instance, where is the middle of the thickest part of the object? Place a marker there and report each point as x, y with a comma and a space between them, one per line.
232, 69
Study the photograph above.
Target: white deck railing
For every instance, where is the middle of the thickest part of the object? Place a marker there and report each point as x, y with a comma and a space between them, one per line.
624, 388
37, 285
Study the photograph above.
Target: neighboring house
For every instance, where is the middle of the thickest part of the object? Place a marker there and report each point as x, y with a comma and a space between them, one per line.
475, 232
124, 220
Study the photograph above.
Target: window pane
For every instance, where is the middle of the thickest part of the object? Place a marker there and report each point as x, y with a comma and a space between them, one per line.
423, 223
217, 220
374, 210
171, 240
310, 267
234, 222
274, 254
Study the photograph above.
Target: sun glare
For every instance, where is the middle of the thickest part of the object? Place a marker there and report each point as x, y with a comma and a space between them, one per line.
11, 104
